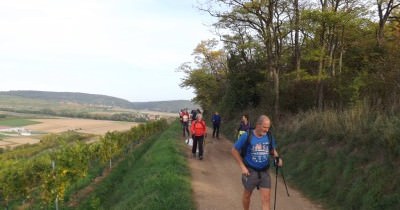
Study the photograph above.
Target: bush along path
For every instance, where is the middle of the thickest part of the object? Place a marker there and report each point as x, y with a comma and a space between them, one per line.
216, 182
153, 176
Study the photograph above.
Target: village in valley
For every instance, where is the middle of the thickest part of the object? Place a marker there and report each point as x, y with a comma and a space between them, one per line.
16, 131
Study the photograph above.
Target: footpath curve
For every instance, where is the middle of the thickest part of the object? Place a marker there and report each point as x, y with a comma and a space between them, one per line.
216, 182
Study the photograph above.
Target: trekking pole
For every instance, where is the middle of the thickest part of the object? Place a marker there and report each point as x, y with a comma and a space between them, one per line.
276, 182
276, 179
284, 181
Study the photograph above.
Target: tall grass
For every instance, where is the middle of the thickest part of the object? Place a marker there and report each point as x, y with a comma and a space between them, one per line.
347, 160
155, 176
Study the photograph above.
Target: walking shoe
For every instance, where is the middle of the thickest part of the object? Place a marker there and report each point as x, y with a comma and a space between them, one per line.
201, 158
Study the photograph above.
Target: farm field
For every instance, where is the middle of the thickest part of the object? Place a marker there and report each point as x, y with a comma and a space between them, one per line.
82, 125
58, 125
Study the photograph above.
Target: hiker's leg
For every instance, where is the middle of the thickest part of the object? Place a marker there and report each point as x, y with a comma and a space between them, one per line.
187, 130
201, 141
246, 199
265, 198
217, 128
214, 129
265, 190
194, 147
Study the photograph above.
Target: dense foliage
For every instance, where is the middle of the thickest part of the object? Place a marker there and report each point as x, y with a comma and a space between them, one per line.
291, 56
328, 74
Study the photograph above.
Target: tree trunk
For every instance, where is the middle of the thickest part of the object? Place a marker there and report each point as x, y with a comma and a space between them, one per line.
321, 66
296, 38
277, 92
384, 14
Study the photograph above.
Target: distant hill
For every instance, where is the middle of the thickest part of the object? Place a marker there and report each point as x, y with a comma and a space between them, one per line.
80, 98
166, 106
101, 100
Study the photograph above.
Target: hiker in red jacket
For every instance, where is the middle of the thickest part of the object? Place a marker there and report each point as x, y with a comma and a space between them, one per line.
199, 131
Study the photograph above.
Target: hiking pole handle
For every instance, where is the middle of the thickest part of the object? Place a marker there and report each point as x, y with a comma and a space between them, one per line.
276, 161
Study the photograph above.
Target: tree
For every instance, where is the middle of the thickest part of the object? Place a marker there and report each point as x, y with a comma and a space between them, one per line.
326, 31
260, 19
385, 9
208, 74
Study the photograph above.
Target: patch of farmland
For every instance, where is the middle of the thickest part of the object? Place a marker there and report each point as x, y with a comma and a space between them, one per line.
82, 125
58, 125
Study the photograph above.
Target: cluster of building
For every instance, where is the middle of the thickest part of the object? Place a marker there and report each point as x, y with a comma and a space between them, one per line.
15, 131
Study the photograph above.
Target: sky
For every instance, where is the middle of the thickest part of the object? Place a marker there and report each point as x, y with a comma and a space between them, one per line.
129, 49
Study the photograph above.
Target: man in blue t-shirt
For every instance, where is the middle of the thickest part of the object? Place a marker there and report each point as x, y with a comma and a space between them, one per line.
255, 163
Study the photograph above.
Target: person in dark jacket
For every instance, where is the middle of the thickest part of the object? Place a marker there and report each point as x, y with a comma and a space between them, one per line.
216, 121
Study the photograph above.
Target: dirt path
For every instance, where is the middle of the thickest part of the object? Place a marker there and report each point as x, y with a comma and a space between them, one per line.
216, 182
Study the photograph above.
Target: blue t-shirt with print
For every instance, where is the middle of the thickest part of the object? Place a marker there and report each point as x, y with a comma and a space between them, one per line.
258, 151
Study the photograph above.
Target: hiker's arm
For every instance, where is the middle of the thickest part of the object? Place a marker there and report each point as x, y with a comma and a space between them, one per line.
192, 128
239, 160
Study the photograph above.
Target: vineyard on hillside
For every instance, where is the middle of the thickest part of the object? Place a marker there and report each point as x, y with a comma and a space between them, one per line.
46, 174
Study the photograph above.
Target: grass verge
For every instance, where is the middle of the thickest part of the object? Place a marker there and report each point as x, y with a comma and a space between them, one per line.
345, 160
154, 176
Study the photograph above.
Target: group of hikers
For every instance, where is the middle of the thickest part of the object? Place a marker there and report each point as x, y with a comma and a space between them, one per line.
198, 129
252, 150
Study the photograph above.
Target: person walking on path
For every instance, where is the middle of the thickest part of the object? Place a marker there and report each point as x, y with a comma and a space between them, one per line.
199, 131
185, 123
216, 121
255, 163
244, 126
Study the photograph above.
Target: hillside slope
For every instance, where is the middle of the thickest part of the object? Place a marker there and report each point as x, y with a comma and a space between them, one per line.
29, 97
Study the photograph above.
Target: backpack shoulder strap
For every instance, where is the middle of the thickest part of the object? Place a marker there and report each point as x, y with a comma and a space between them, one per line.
269, 134
249, 135
246, 144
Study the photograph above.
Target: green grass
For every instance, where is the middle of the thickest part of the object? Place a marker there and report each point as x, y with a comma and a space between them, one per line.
345, 160
154, 176
17, 122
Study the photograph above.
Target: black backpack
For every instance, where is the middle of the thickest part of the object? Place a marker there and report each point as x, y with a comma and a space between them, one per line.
243, 151
194, 114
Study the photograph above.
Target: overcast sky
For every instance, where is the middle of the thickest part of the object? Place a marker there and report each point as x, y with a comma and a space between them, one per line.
124, 48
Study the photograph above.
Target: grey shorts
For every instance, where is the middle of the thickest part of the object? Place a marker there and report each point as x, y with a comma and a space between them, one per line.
261, 179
